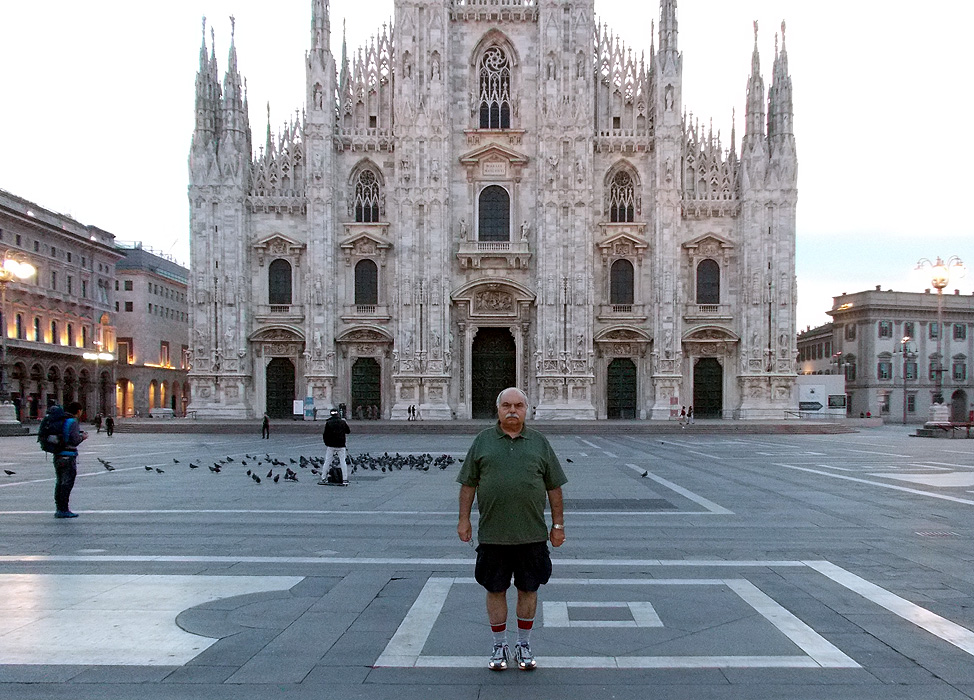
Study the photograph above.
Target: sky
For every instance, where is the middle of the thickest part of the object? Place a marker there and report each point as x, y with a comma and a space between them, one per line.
97, 112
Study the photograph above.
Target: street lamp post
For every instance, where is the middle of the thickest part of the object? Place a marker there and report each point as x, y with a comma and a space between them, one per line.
13, 266
98, 357
907, 354
940, 278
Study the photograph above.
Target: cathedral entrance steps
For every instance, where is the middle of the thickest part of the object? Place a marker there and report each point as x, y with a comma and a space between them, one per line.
464, 427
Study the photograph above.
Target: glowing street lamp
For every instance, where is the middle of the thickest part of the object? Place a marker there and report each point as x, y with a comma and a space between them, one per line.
13, 266
940, 273
98, 357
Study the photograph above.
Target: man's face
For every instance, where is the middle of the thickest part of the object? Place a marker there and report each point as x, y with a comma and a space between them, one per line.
512, 411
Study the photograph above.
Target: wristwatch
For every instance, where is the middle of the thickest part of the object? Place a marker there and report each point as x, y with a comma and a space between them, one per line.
556, 526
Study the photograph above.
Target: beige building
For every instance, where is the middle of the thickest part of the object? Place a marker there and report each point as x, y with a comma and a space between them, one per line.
815, 351
889, 346
66, 310
153, 333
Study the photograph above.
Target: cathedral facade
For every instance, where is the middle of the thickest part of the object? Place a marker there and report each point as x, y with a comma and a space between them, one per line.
493, 194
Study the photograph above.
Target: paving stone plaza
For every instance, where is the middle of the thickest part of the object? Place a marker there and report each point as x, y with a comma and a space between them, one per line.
697, 565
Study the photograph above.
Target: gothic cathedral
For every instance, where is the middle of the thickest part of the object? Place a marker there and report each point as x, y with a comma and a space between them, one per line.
493, 194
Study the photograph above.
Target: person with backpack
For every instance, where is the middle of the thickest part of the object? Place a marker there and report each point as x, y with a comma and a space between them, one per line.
334, 437
60, 433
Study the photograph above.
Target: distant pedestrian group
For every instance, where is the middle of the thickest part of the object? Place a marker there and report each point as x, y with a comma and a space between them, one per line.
412, 412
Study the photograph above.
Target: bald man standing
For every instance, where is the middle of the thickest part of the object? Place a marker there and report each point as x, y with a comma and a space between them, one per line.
512, 471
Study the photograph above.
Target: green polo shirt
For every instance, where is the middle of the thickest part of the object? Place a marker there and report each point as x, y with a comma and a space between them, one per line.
512, 478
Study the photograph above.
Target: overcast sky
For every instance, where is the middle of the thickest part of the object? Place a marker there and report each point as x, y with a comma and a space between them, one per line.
97, 113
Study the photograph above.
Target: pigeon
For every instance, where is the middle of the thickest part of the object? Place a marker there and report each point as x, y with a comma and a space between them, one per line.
644, 474
108, 467
215, 469
568, 460
159, 471
270, 473
148, 468
8, 472
255, 478
193, 466
243, 462
249, 473
229, 459
175, 461
276, 478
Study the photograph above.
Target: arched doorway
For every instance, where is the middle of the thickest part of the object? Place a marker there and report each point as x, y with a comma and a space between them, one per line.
621, 389
958, 407
493, 369
280, 388
366, 385
708, 388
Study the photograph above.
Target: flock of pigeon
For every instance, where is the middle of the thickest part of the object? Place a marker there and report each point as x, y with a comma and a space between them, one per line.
254, 464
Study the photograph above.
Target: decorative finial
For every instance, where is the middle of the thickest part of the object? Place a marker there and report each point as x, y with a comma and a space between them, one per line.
204, 27
782, 35
755, 31
233, 26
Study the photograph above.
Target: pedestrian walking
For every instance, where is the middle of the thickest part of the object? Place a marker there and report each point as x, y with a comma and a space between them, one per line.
512, 471
683, 417
109, 425
265, 428
66, 461
690, 415
334, 437
98, 423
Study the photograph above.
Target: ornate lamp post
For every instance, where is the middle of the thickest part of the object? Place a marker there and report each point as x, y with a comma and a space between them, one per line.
940, 272
99, 388
13, 266
908, 355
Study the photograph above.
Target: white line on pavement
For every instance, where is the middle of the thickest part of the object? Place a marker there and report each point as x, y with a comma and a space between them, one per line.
892, 487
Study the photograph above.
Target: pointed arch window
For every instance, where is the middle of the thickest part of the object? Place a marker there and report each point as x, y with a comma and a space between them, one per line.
708, 282
279, 283
494, 215
495, 89
367, 198
621, 283
366, 283
622, 198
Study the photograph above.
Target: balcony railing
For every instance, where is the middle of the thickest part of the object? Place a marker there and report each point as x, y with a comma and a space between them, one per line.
622, 308
368, 309
280, 308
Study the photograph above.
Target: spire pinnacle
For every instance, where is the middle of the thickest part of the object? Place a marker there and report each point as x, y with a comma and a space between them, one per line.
668, 27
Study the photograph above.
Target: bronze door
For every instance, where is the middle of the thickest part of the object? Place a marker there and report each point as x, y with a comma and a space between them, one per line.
280, 388
621, 389
708, 388
493, 369
366, 385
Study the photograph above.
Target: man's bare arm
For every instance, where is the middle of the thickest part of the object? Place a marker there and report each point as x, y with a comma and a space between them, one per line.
464, 529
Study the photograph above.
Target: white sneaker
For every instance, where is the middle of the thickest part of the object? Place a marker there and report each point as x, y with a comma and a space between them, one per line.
524, 657
498, 659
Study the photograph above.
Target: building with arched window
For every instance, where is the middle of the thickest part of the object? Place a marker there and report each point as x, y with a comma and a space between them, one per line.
495, 193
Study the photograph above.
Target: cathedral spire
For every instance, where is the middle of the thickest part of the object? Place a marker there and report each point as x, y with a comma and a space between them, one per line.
780, 109
668, 29
754, 111
320, 25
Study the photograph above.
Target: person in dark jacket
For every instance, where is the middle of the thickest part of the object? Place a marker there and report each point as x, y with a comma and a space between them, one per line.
66, 461
265, 428
334, 436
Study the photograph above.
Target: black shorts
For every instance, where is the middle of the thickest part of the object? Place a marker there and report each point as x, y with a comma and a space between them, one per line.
529, 564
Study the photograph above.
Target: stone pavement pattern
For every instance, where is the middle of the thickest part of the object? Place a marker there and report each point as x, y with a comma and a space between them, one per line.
697, 565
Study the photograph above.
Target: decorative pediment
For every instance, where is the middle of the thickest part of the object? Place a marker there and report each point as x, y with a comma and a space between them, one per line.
365, 244
279, 245
623, 243
364, 334
709, 341
710, 334
622, 341
493, 298
277, 334
494, 161
709, 245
